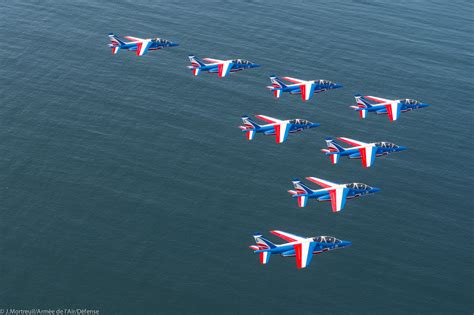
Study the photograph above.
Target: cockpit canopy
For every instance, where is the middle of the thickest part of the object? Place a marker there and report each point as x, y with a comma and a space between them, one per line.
326, 83
161, 41
358, 186
326, 239
387, 145
409, 101
300, 121
241, 61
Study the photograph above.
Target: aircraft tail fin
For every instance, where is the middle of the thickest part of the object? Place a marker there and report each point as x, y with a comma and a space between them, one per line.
277, 86
362, 105
196, 64
262, 242
263, 248
115, 44
333, 145
116, 41
362, 102
249, 127
250, 122
277, 82
301, 192
333, 150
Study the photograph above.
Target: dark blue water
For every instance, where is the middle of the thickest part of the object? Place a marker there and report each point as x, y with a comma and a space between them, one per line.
127, 187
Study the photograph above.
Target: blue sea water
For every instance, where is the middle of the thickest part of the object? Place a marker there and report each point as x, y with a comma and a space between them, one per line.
127, 187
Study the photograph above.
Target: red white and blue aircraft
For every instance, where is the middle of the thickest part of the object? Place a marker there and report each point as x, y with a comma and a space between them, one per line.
382, 106
139, 45
221, 67
305, 88
360, 150
303, 248
277, 127
335, 193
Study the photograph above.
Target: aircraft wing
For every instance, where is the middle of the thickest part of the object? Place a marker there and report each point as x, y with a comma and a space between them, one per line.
142, 47
352, 141
377, 99
213, 60
321, 182
269, 119
304, 253
393, 110
294, 80
223, 68
281, 131
287, 236
337, 194
338, 198
307, 90
367, 154
367, 151
135, 39
306, 87
282, 127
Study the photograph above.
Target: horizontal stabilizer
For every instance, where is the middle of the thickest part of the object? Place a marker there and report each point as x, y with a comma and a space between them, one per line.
334, 157
264, 257
250, 134
115, 49
302, 201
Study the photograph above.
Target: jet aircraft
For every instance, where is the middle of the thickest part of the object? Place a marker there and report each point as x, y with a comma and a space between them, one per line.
221, 67
382, 106
303, 248
305, 88
279, 128
139, 45
360, 150
336, 193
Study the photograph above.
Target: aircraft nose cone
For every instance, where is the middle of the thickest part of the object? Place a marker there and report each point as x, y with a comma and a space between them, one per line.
345, 243
375, 190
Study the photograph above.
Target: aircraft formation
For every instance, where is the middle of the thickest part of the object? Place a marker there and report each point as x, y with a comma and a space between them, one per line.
302, 248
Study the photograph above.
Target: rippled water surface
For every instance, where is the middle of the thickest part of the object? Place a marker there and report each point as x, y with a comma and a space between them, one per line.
127, 187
